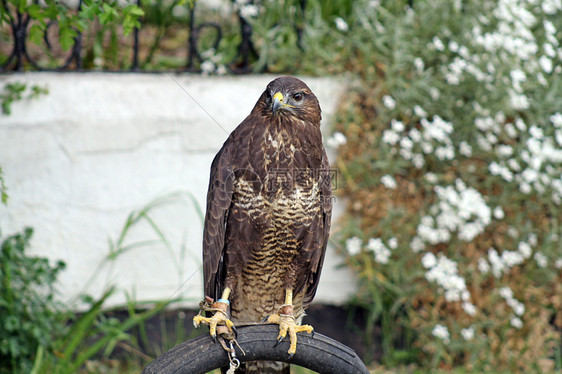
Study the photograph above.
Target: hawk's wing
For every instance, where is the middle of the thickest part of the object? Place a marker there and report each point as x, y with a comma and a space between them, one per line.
219, 198
322, 232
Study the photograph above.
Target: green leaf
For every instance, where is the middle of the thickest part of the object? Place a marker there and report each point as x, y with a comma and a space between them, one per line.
11, 323
109, 14
135, 10
35, 11
4, 199
67, 35
36, 34
89, 11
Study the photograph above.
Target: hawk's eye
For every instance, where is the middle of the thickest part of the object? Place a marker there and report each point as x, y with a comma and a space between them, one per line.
298, 96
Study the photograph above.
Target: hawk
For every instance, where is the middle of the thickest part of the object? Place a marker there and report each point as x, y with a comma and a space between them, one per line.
268, 214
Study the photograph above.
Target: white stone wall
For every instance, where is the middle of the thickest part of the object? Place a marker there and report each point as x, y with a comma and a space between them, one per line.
99, 146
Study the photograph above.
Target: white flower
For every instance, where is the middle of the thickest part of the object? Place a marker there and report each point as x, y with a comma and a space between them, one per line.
541, 259
388, 182
536, 132
390, 137
418, 161
516, 322
429, 260
511, 258
483, 266
418, 110
418, 63
336, 140
382, 256
467, 333
444, 272
353, 245
513, 164
483, 143
441, 332
525, 249
389, 102
209, 54
510, 130
221, 70
525, 188
453, 46
406, 143
434, 93
556, 119
469, 308
498, 212
496, 262
417, 245
438, 130
462, 209
549, 50
558, 136
550, 6
532, 239
249, 11
518, 102
519, 308
506, 293
546, 64
380, 251
341, 24
504, 150
558, 263
415, 135
207, 67
549, 28
438, 44
393, 243
517, 76
375, 244
465, 149
445, 153
397, 126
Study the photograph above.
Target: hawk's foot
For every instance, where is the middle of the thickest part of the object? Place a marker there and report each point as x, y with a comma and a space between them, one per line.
288, 324
219, 322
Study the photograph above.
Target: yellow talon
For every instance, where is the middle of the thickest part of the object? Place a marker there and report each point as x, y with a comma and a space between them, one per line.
288, 324
219, 319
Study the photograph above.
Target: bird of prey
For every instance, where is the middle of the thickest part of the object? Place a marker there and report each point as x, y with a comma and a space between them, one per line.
268, 214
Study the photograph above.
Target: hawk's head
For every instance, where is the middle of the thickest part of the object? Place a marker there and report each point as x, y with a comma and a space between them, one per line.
289, 98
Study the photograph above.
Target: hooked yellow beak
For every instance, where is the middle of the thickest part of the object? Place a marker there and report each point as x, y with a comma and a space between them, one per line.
277, 102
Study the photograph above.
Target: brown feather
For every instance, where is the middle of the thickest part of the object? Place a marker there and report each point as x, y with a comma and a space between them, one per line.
269, 207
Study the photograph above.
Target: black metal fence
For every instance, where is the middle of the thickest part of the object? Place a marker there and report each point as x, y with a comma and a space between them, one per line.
20, 58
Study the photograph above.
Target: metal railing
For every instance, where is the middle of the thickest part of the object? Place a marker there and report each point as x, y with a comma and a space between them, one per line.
241, 64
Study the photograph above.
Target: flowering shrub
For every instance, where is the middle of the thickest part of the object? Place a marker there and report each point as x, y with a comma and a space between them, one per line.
450, 146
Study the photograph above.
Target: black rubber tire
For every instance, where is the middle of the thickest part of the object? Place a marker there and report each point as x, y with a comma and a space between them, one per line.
201, 354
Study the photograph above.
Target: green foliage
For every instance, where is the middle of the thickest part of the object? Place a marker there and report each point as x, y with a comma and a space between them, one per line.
93, 333
69, 21
29, 314
40, 335
15, 91
3, 189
